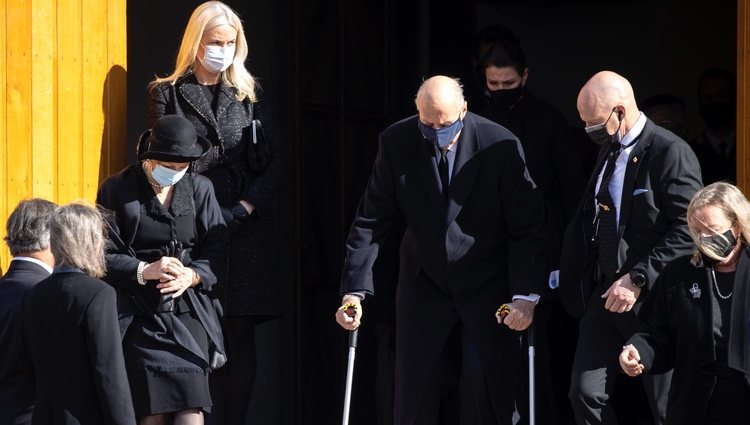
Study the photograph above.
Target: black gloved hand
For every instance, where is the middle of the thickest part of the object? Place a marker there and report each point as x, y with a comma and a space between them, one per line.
234, 217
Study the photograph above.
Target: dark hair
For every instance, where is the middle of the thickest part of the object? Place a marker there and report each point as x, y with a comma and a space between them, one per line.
27, 228
496, 45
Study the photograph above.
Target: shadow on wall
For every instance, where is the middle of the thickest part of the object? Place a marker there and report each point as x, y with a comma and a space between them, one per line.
113, 156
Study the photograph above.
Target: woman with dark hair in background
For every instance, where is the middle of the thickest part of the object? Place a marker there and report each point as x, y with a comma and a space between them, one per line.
167, 246
211, 87
555, 165
70, 322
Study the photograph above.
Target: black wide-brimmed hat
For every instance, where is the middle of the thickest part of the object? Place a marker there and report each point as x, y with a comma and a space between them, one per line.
172, 139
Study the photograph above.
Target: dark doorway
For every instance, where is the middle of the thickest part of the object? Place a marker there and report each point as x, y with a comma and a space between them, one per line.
337, 73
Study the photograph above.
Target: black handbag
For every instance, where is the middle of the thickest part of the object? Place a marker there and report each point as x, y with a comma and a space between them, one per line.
258, 151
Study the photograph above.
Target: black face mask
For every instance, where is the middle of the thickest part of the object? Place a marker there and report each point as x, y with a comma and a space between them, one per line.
721, 245
598, 133
506, 98
718, 114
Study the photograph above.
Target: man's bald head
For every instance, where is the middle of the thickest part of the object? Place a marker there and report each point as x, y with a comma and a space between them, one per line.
440, 100
440, 92
604, 92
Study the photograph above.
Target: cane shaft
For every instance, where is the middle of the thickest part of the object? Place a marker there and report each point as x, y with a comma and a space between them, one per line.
349, 376
532, 403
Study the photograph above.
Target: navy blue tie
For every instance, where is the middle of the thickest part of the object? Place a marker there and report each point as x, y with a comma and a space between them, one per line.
443, 171
606, 231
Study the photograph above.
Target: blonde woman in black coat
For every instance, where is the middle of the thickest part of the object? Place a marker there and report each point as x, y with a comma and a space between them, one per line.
211, 87
697, 318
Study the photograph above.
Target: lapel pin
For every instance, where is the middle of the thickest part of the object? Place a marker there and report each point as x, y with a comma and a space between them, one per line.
635, 159
695, 291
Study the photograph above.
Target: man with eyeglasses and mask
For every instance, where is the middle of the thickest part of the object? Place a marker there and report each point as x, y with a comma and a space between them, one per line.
629, 225
474, 240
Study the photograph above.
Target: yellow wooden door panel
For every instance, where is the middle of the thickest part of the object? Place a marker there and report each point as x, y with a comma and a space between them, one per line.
94, 73
62, 100
18, 100
116, 92
43, 117
4, 162
69, 101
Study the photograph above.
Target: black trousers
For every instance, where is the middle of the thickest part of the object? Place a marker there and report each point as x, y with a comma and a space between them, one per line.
232, 385
547, 411
596, 366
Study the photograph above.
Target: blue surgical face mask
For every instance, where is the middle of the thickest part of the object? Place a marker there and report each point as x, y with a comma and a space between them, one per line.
165, 176
441, 137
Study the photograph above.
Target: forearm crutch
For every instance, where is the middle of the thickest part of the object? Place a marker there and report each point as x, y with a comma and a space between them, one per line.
350, 310
532, 403
502, 312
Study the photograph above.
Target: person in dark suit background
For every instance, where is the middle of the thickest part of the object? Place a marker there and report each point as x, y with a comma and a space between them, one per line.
696, 320
668, 111
27, 238
716, 145
474, 239
70, 325
629, 225
555, 164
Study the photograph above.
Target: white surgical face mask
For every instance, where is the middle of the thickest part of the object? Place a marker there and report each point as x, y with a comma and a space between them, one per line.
165, 176
217, 59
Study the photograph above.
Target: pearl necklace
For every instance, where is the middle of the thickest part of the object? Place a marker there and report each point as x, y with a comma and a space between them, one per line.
716, 285
148, 177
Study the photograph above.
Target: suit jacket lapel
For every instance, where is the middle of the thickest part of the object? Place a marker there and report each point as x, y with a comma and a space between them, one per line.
631, 172
193, 94
426, 167
225, 97
463, 177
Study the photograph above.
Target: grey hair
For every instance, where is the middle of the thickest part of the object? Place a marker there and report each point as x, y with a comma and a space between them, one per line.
77, 238
27, 228
458, 92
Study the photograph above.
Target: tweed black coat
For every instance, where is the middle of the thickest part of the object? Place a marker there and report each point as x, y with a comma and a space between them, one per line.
240, 167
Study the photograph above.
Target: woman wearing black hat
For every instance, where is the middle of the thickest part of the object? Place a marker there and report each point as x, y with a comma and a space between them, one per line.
166, 238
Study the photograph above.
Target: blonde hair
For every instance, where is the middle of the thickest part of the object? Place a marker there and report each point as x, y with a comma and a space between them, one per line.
205, 17
77, 238
730, 200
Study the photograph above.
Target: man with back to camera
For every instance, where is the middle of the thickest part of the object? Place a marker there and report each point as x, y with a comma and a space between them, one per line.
629, 225
474, 239
28, 241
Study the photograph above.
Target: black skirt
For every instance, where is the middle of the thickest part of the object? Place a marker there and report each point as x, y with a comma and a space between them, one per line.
162, 388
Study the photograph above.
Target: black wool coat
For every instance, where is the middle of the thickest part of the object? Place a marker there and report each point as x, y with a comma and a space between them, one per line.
678, 316
119, 195
239, 169
16, 377
459, 259
70, 323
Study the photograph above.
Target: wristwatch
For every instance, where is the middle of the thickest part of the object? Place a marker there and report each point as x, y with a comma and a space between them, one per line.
638, 279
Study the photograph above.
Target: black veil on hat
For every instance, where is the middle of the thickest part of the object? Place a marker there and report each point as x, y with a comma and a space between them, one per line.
172, 139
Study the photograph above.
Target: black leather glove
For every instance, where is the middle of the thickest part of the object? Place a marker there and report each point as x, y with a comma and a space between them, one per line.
234, 217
